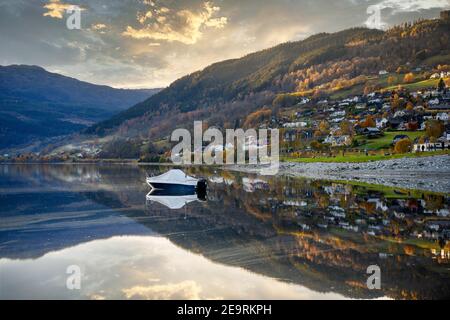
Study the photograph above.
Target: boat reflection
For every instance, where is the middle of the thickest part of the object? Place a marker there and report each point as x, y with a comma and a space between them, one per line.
172, 200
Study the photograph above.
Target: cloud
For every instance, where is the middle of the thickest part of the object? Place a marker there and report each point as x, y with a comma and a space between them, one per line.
185, 290
98, 26
412, 5
177, 37
185, 26
56, 9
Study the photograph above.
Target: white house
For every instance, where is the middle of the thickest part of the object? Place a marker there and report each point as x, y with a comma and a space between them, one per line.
381, 123
442, 116
337, 141
382, 72
338, 114
435, 76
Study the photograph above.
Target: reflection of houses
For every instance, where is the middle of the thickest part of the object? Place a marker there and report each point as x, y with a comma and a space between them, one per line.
295, 134
300, 124
251, 185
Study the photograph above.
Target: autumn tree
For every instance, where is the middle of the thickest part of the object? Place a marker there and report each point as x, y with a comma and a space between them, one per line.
409, 106
403, 146
409, 77
346, 128
434, 128
316, 145
254, 119
369, 122
324, 127
391, 80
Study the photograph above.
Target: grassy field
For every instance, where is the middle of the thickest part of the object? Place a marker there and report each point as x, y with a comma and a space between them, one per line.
363, 157
417, 85
385, 142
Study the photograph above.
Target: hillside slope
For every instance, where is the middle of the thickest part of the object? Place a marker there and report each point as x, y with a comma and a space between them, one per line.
225, 92
35, 103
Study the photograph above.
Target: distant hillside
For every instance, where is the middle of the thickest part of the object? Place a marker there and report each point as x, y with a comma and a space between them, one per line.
225, 93
35, 103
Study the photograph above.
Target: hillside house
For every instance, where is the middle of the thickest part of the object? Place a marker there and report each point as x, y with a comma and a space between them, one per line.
442, 116
372, 132
338, 141
381, 123
399, 137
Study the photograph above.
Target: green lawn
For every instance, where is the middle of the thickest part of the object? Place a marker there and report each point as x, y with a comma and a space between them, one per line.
417, 85
363, 157
385, 142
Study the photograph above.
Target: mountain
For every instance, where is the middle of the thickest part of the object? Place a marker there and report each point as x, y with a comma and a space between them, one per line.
35, 103
225, 92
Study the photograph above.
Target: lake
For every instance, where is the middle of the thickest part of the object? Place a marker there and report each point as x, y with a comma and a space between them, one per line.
251, 237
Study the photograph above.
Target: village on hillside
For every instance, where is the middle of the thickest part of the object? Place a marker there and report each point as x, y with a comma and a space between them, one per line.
376, 125
385, 122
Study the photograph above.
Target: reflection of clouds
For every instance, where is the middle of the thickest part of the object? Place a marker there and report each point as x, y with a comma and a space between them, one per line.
140, 268
185, 290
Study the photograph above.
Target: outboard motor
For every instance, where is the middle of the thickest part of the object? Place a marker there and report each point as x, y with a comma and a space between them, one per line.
201, 188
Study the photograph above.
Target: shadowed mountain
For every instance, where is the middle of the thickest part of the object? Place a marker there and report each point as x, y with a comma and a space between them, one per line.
35, 103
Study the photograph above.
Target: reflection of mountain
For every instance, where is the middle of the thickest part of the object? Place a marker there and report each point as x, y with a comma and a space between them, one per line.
40, 214
298, 231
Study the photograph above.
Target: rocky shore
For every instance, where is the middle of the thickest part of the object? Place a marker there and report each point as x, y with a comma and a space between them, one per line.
426, 173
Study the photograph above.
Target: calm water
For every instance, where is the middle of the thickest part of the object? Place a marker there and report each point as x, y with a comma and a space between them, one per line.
253, 237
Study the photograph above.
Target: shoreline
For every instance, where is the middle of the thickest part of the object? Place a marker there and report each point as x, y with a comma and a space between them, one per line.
431, 173
427, 173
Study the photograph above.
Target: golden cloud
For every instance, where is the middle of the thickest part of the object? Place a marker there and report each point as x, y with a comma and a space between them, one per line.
98, 26
184, 26
56, 9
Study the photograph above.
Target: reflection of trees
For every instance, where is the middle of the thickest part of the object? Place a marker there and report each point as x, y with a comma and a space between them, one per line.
265, 231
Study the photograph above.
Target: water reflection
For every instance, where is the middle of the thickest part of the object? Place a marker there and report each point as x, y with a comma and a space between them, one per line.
289, 238
172, 200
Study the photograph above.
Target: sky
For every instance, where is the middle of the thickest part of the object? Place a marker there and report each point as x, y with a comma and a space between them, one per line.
151, 43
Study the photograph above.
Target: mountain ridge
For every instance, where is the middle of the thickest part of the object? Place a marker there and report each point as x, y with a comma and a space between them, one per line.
35, 103
286, 67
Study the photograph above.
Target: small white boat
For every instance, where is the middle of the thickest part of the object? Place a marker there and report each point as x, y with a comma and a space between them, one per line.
175, 181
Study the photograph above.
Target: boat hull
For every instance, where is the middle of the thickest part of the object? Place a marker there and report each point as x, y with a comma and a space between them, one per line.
173, 188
